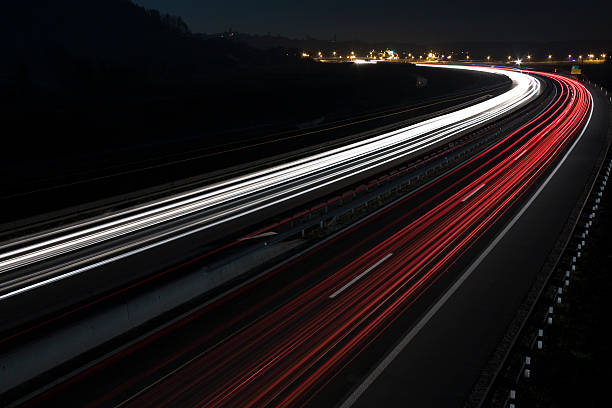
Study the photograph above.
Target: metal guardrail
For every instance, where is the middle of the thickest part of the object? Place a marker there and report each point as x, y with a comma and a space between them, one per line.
384, 190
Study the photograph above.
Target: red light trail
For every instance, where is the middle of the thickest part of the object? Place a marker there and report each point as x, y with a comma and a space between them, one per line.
283, 358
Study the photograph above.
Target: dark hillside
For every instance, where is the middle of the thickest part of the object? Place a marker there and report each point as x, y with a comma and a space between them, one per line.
93, 88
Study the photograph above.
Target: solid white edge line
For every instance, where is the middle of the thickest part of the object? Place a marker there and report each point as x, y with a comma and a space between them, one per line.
354, 396
361, 275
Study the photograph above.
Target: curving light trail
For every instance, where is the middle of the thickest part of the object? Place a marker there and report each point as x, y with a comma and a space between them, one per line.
285, 357
169, 219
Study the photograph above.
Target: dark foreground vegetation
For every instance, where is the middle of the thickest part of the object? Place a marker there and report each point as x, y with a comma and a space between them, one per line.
574, 370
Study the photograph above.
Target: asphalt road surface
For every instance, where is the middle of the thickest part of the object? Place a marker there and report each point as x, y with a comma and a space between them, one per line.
321, 328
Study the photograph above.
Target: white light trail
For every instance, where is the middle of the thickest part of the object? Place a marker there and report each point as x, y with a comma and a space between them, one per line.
212, 205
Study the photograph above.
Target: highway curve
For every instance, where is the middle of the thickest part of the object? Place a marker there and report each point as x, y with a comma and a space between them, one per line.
309, 331
45, 258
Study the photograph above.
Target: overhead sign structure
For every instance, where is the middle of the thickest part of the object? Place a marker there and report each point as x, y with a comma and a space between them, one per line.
576, 70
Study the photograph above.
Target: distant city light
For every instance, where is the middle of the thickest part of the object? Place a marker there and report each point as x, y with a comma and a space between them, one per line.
549, 56
488, 57
518, 61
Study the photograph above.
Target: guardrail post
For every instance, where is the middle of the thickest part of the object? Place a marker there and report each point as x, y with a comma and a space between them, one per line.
549, 315
540, 337
527, 372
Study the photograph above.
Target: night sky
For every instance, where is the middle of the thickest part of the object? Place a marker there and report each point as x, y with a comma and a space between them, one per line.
400, 20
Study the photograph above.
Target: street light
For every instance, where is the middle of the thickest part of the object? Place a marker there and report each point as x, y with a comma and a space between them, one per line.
488, 58
549, 56
518, 61
509, 57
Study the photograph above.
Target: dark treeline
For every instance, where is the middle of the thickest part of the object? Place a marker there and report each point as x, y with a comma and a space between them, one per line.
108, 72
476, 49
67, 43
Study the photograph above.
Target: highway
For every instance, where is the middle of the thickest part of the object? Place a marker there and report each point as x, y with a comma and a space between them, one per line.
45, 258
310, 330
